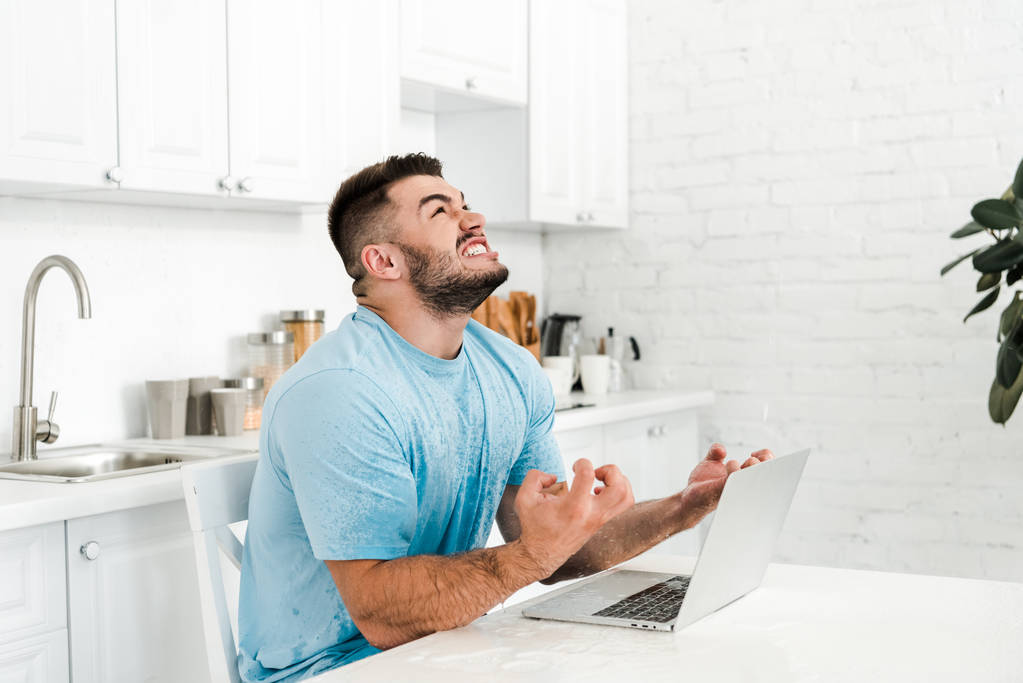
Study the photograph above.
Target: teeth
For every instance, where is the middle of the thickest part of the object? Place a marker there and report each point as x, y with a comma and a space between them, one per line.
475, 250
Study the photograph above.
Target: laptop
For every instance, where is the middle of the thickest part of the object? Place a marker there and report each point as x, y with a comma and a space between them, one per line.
731, 563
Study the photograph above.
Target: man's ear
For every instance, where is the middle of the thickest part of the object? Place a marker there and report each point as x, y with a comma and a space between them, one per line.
381, 261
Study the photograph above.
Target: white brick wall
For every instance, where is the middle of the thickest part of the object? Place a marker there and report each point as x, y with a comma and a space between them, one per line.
796, 167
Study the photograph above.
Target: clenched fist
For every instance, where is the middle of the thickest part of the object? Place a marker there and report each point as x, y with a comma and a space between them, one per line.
556, 523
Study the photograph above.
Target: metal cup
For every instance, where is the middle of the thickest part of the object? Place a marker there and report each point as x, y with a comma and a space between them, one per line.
199, 413
167, 401
229, 409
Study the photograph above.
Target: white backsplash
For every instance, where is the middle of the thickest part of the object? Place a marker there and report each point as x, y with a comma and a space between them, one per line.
174, 291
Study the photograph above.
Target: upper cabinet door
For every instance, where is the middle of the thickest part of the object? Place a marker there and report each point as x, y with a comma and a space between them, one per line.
555, 164
467, 46
58, 121
276, 90
605, 116
361, 88
172, 95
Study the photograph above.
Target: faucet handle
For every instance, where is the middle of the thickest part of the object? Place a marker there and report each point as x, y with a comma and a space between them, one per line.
47, 430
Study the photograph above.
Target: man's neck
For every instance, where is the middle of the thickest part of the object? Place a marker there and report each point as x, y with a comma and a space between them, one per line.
437, 336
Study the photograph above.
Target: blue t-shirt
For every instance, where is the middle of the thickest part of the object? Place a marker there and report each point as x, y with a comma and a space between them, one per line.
373, 449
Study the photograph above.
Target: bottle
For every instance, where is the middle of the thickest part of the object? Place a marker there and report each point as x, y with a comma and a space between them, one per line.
270, 355
307, 326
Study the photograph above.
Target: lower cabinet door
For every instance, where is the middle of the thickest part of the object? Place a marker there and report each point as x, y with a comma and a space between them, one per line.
133, 598
587, 442
657, 453
42, 659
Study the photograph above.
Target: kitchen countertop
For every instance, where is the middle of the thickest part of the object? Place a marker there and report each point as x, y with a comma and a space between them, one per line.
802, 624
626, 405
25, 503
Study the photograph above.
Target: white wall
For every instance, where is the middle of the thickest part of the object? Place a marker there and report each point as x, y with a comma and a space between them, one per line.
174, 291
796, 167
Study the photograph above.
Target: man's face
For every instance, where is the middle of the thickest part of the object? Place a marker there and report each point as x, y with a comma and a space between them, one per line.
450, 263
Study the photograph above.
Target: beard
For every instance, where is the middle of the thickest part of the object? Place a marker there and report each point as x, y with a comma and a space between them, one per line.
446, 287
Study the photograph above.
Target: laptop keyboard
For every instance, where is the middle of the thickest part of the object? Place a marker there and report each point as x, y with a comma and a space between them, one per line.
659, 602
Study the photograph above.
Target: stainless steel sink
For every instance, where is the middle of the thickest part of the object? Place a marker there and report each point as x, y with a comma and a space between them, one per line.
92, 463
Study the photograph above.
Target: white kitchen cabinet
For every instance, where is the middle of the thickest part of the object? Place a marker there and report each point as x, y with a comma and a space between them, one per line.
313, 95
362, 91
33, 606
578, 116
602, 90
42, 659
58, 123
564, 159
476, 48
657, 453
172, 95
132, 597
216, 104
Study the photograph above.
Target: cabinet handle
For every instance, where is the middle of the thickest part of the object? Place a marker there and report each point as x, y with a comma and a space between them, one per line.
115, 175
657, 431
90, 550
580, 217
470, 83
227, 183
590, 217
245, 184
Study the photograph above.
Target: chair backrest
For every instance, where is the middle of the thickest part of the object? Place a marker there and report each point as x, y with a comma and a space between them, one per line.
216, 495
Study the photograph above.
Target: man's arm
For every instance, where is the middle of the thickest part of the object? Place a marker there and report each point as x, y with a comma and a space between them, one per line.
395, 601
645, 524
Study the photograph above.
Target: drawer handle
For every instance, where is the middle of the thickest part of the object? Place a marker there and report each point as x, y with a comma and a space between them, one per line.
90, 550
657, 431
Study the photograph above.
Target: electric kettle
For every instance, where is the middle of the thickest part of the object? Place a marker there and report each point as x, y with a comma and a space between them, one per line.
559, 335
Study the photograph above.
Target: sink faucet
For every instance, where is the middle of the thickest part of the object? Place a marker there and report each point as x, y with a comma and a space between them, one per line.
27, 429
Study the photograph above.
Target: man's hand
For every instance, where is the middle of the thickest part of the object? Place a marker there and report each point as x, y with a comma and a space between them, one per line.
707, 481
555, 524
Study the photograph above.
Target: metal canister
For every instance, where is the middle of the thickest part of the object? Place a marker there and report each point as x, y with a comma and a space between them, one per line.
270, 355
253, 399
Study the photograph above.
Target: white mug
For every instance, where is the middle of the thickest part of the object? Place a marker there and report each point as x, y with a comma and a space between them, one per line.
596, 373
561, 381
566, 363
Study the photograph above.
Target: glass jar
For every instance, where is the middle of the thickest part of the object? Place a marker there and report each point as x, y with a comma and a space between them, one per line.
253, 399
307, 326
270, 355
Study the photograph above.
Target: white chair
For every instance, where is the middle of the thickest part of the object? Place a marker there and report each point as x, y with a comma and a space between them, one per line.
216, 495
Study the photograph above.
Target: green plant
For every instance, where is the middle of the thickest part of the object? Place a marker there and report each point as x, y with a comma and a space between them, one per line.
1002, 220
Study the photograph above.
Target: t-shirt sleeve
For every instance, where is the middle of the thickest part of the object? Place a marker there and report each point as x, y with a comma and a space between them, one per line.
338, 439
540, 449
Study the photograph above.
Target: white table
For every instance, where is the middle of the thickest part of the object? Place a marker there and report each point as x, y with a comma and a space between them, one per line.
802, 624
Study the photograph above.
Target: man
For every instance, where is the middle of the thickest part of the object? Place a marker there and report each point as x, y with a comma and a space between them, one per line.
388, 450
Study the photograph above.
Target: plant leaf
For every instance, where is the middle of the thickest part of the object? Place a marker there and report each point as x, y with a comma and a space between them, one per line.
1007, 364
996, 214
984, 303
1001, 401
971, 228
988, 280
1014, 274
1017, 183
959, 260
1010, 317
998, 256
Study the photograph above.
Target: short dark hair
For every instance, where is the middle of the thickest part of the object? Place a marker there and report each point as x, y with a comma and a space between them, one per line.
357, 216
